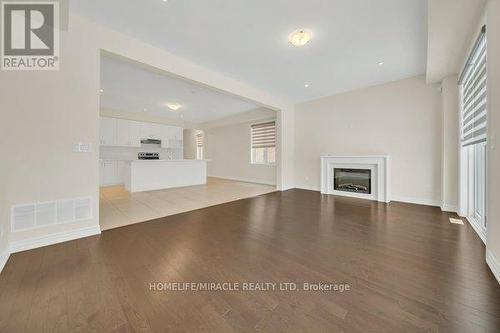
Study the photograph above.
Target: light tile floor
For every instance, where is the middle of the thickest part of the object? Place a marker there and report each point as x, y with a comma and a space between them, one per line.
119, 207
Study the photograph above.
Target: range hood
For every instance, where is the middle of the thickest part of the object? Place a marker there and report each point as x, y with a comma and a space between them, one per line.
150, 141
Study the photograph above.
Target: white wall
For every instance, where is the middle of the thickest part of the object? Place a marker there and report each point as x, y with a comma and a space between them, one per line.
493, 218
227, 149
4, 211
145, 118
248, 116
401, 119
48, 111
450, 142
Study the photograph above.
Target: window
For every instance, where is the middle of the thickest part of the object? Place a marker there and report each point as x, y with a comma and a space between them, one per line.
474, 135
199, 145
263, 143
473, 95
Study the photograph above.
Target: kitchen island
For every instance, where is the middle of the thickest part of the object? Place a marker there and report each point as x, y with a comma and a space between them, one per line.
149, 175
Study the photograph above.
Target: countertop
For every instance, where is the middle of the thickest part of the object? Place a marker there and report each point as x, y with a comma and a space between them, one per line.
167, 161
161, 160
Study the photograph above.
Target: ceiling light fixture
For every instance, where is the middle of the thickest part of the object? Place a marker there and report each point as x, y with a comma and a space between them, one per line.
381, 63
300, 37
174, 106
101, 90
306, 85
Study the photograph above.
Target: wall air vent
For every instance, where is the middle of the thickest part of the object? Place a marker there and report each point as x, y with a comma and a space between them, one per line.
23, 217
65, 211
41, 214
46, 213
83, 209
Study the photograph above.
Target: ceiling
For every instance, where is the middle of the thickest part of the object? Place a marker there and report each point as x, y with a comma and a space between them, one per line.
453, 25
131, 88
248, 40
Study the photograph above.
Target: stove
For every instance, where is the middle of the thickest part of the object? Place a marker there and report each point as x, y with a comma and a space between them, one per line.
148, 156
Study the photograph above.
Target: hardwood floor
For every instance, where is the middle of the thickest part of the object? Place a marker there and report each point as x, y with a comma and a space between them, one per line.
408, 268
118, 207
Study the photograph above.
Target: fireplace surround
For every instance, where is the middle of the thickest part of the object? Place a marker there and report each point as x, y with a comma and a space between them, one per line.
365, 176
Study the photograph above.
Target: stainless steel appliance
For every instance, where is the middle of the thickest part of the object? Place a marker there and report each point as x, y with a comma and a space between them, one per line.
151, 142
148, 156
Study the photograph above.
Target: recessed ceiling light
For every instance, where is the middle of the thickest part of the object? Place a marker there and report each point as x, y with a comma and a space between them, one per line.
306, 85
300, 37
164, 0
381, 63
173, 106
101, 90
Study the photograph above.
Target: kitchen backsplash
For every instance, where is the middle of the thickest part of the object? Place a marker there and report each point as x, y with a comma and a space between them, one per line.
130, 153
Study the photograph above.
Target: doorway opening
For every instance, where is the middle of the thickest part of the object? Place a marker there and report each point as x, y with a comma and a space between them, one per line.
169, 145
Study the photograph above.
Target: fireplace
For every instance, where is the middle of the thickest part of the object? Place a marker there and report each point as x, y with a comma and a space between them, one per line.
370, 172
352, 180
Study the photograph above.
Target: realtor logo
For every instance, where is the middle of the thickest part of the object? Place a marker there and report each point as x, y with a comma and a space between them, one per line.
30, 38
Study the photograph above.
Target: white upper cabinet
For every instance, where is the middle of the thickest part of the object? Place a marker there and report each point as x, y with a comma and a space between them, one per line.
123, 133
135, 131
126, 133
172, 137
107, 131
150, 131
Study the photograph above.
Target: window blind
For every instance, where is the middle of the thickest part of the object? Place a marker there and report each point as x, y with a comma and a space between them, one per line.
474, 95
199, 140
264, 135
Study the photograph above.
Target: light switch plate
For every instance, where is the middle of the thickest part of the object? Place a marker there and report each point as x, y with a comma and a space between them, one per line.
85, 147
82, 147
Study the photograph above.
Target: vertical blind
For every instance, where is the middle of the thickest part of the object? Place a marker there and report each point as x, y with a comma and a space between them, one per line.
474, 95
264, 135
199, 140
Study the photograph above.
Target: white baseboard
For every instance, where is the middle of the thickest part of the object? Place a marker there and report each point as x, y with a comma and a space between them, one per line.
494, 264
479, 231
40, 241
417, 201
449, 208
307, 188
4, 256
243, 180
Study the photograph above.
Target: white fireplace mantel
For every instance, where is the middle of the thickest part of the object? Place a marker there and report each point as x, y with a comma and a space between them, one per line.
378, 164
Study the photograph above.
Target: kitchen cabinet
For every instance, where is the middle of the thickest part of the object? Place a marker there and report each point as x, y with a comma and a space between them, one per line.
123, 133
135, 130
107, 131
150, 131
127, 133
112, 173
108, 173
172, 137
